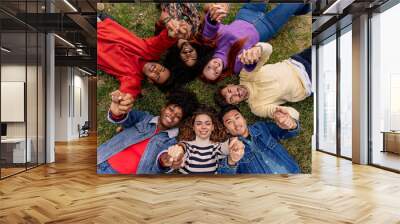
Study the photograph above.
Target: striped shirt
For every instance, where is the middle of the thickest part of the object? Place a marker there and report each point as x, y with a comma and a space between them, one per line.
203, 160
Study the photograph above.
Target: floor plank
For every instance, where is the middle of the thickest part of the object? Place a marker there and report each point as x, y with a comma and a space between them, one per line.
70, 191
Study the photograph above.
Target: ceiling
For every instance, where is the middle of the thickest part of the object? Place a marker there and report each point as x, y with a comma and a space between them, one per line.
331, 15
72, 20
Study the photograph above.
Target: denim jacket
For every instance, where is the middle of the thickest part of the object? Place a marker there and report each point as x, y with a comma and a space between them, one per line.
263, 153
138, 126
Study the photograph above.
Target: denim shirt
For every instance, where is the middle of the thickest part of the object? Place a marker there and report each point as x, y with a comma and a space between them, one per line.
263, 153
138, 126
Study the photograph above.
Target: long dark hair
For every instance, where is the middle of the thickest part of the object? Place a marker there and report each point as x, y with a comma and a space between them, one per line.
182, 74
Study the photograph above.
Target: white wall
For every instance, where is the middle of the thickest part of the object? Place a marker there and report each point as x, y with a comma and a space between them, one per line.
17, 72
80, 102
70, 83
61, 103
11, 73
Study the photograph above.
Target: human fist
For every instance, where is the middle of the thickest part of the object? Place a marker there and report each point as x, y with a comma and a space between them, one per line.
283, 118
176, 152
250, 56
121, 103
174, 157
207, 6
236, 151
218, 11
178, 29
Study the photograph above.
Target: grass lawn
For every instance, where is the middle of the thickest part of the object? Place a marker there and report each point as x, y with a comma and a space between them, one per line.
140, 19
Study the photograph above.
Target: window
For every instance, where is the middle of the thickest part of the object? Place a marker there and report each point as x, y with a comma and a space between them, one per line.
385, 89
346, 74
327, 96
22, 69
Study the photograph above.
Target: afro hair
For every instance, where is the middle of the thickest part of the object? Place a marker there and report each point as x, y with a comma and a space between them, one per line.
185, 99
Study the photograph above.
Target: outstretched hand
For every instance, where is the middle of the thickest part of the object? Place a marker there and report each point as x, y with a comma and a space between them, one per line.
174, 157
178, 29
283, 119
218, 11
121, 103
250, 56
236, 151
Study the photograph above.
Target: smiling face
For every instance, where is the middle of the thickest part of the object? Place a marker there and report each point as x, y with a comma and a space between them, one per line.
235, 123
155, 72
170, 116
235, 94
187, 53
213, 69
203, 126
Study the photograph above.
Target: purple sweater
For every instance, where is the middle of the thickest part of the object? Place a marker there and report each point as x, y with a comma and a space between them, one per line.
227, 36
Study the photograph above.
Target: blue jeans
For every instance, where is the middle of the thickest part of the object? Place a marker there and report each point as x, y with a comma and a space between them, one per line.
304, 57
268, 24
105, 168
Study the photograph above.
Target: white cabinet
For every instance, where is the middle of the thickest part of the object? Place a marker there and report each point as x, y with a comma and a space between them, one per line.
17, 147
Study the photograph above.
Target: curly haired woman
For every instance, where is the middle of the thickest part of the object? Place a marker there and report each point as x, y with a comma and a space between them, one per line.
203, 146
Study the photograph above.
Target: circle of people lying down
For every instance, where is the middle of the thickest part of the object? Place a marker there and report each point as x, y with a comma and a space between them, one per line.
198, 44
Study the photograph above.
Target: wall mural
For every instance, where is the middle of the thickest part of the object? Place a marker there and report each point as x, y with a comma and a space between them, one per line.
214, 88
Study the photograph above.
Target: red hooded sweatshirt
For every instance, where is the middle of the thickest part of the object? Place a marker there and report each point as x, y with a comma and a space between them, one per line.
122, 54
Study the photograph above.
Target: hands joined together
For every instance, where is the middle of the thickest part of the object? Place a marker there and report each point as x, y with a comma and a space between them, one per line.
283, 119
121, 103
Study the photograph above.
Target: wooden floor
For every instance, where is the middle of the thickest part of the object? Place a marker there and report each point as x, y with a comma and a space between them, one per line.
70, 191
387, 159
5, 172
10, 171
